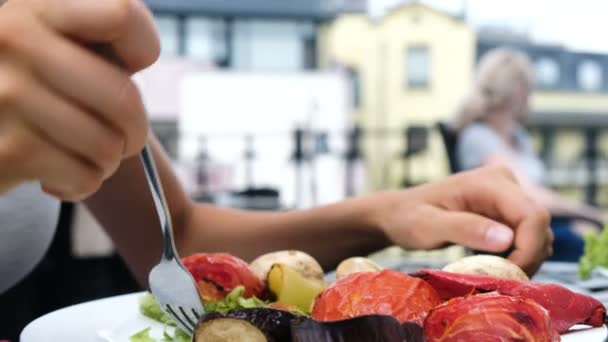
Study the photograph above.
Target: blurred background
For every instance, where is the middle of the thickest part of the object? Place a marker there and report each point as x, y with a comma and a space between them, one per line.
274, 104
317, 100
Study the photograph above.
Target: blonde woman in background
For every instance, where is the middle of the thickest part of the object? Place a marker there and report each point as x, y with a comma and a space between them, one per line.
490, 126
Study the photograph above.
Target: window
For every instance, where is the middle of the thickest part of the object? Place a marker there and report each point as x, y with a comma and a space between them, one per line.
268, 45
418, 67
355, 83
169, 35
547, 72
206, 40
589, 75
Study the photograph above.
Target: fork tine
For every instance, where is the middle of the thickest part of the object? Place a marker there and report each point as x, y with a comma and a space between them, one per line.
179, 320
188, 318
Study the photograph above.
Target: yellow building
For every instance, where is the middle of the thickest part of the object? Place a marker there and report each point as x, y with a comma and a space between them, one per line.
414, 65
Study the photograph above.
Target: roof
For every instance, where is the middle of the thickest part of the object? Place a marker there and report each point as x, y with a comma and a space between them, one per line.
417, 4
305, 9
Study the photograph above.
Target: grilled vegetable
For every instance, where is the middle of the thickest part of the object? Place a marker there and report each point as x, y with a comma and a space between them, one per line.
218, 274
376, 293
566, 308
355, 265
298, 261
488, 265
374, 328
292, 289
246, 325
489, 317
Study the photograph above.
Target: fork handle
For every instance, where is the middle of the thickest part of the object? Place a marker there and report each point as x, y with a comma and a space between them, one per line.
160, 204
156, 188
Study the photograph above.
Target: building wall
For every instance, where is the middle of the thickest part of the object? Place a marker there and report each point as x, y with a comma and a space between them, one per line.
377, 50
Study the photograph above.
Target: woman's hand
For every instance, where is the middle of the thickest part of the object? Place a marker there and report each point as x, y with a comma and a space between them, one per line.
68, 117
483, 209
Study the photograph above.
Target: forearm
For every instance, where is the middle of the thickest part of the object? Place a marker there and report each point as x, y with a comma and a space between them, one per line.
125, 209
559, 205
329, 233
548, 198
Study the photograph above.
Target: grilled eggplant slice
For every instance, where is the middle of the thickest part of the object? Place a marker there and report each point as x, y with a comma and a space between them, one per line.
246, 325
373, 328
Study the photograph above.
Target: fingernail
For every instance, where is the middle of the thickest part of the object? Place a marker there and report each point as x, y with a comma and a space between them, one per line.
499, 235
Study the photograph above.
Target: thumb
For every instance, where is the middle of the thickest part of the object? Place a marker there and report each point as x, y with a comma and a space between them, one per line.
476, 232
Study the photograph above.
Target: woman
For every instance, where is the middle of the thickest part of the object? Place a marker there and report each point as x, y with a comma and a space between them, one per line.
491, 132
74, 122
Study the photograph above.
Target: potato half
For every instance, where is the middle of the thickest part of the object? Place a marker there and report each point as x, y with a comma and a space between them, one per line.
356, 265
489, 265
298, 261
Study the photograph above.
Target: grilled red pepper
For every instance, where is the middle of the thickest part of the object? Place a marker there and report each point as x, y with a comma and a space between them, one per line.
489, 317
566, 308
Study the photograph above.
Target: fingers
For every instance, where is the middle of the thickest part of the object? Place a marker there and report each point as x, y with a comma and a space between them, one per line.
67, 126
26, 155
126, 24
87, 80
471, 230
532, 245
495, 194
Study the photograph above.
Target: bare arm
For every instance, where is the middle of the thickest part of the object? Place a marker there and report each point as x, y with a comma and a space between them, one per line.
550, 199
125, 209
483, 209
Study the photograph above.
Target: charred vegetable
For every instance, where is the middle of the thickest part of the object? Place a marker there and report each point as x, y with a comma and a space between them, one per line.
376, 293
246, 325
566, 308
488, 265
489, 317
218, 274
373, 328
298, 261
356, 265
292, 289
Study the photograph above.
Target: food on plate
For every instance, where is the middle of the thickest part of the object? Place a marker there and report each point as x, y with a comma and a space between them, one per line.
271, 301
355, 265
566, 308
149, 307
595, 254
292, 289
218, 274
245, 325
359, 329
489, 317
298, 261
489, 265
233, 301
384, 292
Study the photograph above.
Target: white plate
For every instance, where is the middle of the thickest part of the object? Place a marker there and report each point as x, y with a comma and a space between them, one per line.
115, 319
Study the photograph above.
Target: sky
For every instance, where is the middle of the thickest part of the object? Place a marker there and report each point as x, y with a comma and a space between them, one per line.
577, 24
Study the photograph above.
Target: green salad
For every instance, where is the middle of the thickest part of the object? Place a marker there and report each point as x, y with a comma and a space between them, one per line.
149, 307
595, 255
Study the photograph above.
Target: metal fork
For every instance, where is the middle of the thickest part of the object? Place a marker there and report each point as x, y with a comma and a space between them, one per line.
170, 282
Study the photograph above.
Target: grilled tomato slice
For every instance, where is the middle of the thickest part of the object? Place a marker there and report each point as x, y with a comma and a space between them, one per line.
218, 274
385, 292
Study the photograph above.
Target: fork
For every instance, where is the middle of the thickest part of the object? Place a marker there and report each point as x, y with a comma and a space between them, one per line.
171, 284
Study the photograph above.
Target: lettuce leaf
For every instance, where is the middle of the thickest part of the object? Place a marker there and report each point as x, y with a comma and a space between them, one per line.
595, 254
142, 336
233, 301
149, 307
